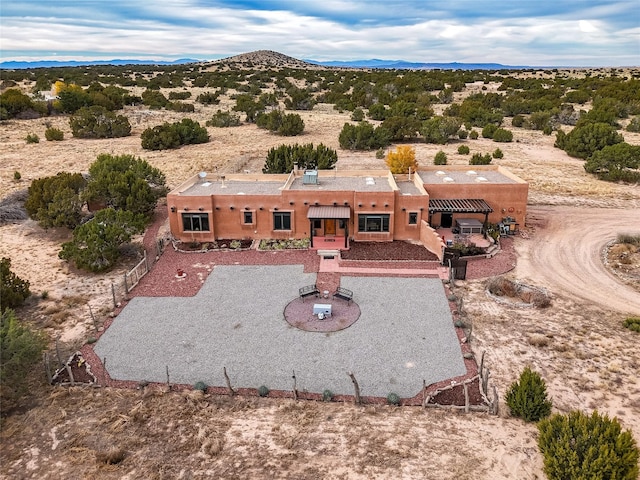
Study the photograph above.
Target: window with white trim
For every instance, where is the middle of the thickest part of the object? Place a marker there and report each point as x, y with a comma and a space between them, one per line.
247, 218
413, 218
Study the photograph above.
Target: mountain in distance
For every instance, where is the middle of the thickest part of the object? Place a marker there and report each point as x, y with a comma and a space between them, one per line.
404, 65
81, 63
266, 59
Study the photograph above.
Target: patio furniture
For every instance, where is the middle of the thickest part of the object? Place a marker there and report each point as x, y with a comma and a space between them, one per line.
344, 294
308, 290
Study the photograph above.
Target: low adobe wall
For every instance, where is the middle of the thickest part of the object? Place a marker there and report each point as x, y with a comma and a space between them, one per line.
431, 240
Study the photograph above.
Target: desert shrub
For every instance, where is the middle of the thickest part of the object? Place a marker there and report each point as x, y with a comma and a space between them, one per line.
473, 135
13, 289
393, 399
527, 398
590, 447
363, 136
180, 107
547, 130
628, 238
224, 119
440, 158
179, 95
632, 323
288, 125
200, 386
208, 98
173, 135
283, 158
462, 134
20, 348
502, 135
357, 115
263, 391
113, 456
95, 245
53, 134
17, 176
619, 162
501, 286
440, 129
634, 125
497, 153
540, 300
489, 130
463, 150
586, 139
55, 201
98, 122
32, 138
517, 121
381, 153
479, 159
327, 395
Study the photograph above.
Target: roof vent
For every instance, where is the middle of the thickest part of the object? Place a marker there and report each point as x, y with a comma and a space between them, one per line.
370, 181
447, 179
471, 172
440, 173
481, 179
310, 177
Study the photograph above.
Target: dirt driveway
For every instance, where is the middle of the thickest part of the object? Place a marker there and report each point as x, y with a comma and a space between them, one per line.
565, 253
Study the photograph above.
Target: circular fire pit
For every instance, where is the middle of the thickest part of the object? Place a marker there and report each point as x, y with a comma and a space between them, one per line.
299, 314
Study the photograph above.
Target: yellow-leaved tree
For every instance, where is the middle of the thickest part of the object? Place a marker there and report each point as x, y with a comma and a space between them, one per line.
403, 159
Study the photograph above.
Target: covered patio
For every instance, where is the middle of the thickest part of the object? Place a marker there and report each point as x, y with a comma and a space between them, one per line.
329, 224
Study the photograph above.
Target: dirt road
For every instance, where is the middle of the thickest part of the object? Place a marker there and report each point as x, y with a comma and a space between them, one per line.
565, 253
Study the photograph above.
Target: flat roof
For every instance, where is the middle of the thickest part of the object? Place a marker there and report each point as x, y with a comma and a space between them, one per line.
357, 184
234, 187
408, 188
446, 176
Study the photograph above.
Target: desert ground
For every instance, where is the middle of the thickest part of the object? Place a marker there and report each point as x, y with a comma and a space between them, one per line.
578, 344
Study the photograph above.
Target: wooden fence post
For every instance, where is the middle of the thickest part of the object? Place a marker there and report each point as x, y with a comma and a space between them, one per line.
126, 288
226, 378
168, 384
356, 388
113, 295
60, 362
104, 371
295, 390
466, 398
45, 360
93, 318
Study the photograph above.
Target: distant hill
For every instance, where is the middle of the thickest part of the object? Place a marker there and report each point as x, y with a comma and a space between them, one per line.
263, 58
79, 63
402, 64
269, 59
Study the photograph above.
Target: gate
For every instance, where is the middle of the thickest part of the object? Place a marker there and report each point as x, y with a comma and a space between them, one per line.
458, 268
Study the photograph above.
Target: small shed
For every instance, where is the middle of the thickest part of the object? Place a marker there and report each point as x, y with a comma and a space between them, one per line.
469, 225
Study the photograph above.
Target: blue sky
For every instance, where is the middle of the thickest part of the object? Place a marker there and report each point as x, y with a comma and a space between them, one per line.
511, 32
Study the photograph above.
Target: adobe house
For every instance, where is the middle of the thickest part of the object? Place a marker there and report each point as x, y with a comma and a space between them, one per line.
369, 205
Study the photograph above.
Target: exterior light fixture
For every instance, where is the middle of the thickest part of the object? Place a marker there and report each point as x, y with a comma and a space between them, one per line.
290, 203
186, 209
173, 209
200, 208
231, 207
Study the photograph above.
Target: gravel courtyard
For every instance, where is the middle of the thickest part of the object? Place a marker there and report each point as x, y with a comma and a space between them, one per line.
405, 334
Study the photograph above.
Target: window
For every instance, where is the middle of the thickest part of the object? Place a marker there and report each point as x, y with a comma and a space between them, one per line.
373, 223
195, 222
342, 224
282, 220
247, 218
413, 218
317, 223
